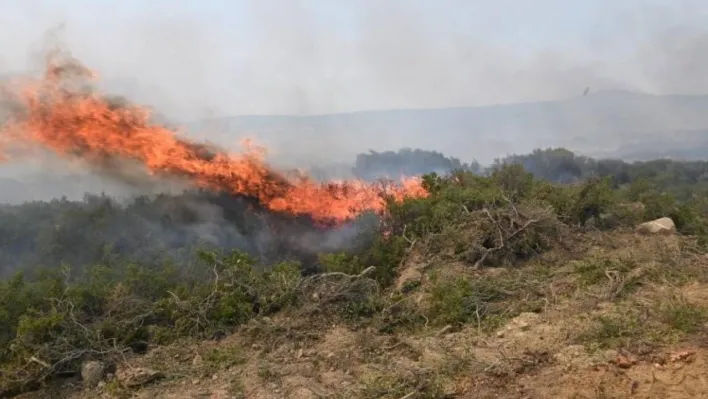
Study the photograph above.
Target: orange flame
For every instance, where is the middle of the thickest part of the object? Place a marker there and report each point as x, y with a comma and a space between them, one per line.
62, 113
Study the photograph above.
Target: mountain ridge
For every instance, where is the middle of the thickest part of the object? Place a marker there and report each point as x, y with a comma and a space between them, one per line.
596, 124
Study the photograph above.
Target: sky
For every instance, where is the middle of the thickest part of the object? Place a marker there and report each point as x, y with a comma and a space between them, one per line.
195, 59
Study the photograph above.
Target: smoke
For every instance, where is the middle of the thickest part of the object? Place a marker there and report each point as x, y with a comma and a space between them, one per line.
315, 57
151, 230
300, 57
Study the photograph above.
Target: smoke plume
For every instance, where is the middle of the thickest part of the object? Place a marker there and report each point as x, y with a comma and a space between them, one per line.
315, 57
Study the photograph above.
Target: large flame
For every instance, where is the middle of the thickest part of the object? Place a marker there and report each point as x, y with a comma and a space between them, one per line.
61, 112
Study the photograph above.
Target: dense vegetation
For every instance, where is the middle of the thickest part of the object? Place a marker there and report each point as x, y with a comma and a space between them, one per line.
150, 230
407, 162
682, 178
78, 294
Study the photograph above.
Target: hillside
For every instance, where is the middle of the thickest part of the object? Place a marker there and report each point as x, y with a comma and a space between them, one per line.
605, 124
499, 286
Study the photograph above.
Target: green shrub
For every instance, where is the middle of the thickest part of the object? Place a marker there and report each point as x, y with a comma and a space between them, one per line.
595, 197
463, 300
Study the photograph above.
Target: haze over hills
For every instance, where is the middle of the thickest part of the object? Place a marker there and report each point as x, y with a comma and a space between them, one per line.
610, 124
613, 123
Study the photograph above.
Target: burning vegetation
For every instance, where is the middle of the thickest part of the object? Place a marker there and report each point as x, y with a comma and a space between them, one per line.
62, 112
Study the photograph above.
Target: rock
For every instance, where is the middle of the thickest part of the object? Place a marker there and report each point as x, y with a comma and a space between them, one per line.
625, 362
610, 355
218, 335
658, 226
197, 361
681, 355
92, 372
135, 377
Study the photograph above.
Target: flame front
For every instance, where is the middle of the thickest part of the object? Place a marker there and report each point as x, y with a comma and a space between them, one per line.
60, 113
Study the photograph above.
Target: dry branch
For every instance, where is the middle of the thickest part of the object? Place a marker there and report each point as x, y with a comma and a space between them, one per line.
503, 235
333, 287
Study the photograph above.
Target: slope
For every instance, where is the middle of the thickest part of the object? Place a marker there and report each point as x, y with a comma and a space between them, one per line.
498, 286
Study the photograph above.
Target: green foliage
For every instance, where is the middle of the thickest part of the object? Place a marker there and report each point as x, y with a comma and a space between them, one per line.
366, 308
224, 356
561, 198
425, 384
663, 322
486, 301
513, 180
553, 164
407, 162
683, 316
480, 220
594, 199
62, 320
594, 271
613, 331
385, 253
461, 301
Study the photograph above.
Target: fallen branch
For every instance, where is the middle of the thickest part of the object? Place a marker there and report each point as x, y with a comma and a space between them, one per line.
38, 361
409, 395
335, 286
411, 242
502, 239
321, 276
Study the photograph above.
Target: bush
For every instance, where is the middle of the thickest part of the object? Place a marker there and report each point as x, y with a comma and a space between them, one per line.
493, 220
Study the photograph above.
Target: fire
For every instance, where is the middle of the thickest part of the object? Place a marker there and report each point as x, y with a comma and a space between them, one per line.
61, 112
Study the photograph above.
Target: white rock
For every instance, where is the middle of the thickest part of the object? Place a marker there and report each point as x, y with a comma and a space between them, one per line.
92, 372
658, 226
135, 377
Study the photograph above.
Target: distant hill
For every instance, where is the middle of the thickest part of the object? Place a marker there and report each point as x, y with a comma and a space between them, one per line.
680, 145
603, 123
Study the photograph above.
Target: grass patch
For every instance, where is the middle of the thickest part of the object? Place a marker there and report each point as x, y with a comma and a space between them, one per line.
266, 372
682, 316
611, 279
224, 356
633, 325
425, 384
488, 301
594, 271
236, 389
614, 331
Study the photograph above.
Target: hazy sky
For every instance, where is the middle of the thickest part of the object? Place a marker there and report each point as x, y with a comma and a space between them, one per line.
211, 57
